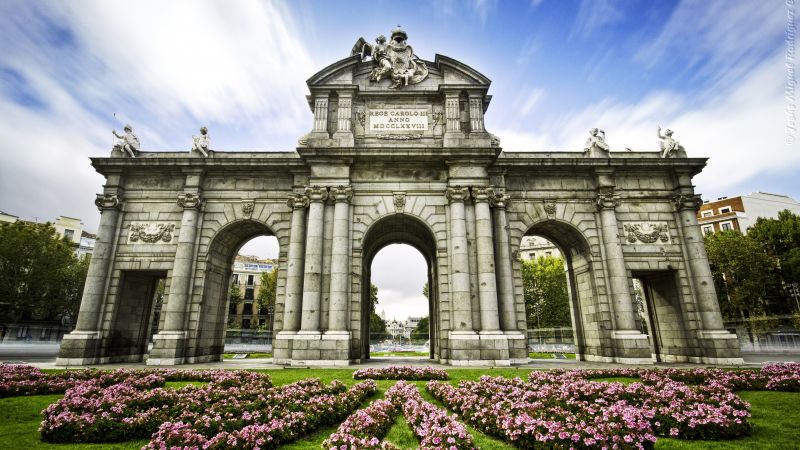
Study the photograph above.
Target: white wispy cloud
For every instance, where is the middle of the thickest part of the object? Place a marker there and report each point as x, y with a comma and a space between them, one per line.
594, 15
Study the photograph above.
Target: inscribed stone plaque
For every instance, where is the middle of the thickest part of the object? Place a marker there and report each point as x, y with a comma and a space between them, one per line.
397, 120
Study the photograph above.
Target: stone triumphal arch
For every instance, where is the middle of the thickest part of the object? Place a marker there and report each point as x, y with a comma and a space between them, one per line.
398, 153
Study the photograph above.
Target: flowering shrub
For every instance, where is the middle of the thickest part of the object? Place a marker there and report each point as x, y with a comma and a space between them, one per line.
364, 429
432, 425
401, 373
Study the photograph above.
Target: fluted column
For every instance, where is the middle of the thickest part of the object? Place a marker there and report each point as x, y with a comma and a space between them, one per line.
476, 113
340, 263
459, 257
487, 281
708, 306
312, 280
615, 263
94, 289
178, 300
294, 270
505, 285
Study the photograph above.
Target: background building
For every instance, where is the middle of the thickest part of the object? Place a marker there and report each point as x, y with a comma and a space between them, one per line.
739, 213
247, 314
534, 247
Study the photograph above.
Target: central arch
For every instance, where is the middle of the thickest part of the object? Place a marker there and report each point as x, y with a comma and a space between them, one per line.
400, 229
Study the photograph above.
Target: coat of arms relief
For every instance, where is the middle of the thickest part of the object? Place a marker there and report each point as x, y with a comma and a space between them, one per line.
394, 59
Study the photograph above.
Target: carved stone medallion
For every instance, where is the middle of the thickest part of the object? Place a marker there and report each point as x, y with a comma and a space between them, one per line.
550, 209
646, 232
151, 232
247, 208
399, 201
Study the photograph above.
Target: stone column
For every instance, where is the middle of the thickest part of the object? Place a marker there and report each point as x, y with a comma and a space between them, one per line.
708, 306
80, 346
615, 263
170, 342
459, 261
294, 260
312, 288
340, 260
487, 282
505, 285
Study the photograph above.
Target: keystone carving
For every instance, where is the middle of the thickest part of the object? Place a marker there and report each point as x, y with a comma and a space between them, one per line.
647, 232
151, 232
457, 194
108, 201
298, 201
687, 201
399, 201
550, 209
341, 193
188, 200
247, 207
316, 193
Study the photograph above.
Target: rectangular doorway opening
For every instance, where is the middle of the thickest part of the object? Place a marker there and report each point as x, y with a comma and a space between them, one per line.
661, 314
135, 314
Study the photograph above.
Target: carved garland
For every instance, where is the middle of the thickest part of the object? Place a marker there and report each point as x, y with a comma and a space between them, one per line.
658, 232
151, 232
400, 137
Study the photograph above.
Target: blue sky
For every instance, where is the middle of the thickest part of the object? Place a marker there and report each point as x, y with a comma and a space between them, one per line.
713, 71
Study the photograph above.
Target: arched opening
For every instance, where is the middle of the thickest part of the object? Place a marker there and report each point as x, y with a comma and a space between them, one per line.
400, 321
559, 250
400, 229
241, 317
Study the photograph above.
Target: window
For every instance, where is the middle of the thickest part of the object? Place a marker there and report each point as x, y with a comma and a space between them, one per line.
235, 279
725, 226
707, 213
248, 294
251, 279
232, 309
245, 324
724, 210
262, 322
68, 234
532, 256
548, 253
708, 229
248, 309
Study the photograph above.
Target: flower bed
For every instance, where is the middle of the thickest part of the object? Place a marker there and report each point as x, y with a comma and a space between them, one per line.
401, 373
364, 429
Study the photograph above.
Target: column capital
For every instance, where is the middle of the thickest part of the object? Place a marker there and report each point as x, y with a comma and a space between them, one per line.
316, 193
108, 201
457, 194
500, 200
482, 194
606, 200
189, 200
341, 193
297, 201
687, 201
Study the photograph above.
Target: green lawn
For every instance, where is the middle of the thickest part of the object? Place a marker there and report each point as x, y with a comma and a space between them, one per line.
249, 355
544, 355
409, 353
775, 417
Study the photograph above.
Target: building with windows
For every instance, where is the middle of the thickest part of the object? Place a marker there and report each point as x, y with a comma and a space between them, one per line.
534, 247
740, 213
396, 329
248, 314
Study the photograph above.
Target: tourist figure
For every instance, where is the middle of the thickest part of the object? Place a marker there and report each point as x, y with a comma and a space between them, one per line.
596, 146
128, 142
669, 146
201, 143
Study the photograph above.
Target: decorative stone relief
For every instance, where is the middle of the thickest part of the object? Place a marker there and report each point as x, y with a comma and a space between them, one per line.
341, 193
399, 201
500, 200
687, 201
607, 200
298, 201
188, 200
151, 232
482, 194
457, 193
395, 59
108, 201
647, 232
248, 206
550, 209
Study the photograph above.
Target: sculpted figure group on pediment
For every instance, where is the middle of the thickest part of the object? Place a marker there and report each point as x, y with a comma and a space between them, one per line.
394, 59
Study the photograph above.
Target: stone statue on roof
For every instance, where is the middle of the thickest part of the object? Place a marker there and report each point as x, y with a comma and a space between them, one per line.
596, 146
670, 148
394, 59
128, 142
201, 143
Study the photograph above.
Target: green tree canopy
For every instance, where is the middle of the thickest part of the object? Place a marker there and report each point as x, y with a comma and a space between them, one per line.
40, 276
422, 331
781, 239
377, 326
269, 286
545, 290
745, 276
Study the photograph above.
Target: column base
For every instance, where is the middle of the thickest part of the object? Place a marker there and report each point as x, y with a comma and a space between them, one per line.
719, 347
631, 347
79, 348
168, 349
487, 348
517, 347
312, 348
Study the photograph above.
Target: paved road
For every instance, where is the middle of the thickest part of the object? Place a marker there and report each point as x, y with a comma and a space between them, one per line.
44, 355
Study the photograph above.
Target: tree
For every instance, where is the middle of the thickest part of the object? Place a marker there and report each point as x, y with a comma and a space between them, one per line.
545, 290
40, 276
377, 326
235, 294
781, 239
422, 331
269, 285
744, 274
426, 290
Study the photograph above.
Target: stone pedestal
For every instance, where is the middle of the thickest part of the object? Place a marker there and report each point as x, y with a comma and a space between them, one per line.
168, 349
79, 348
478, 349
